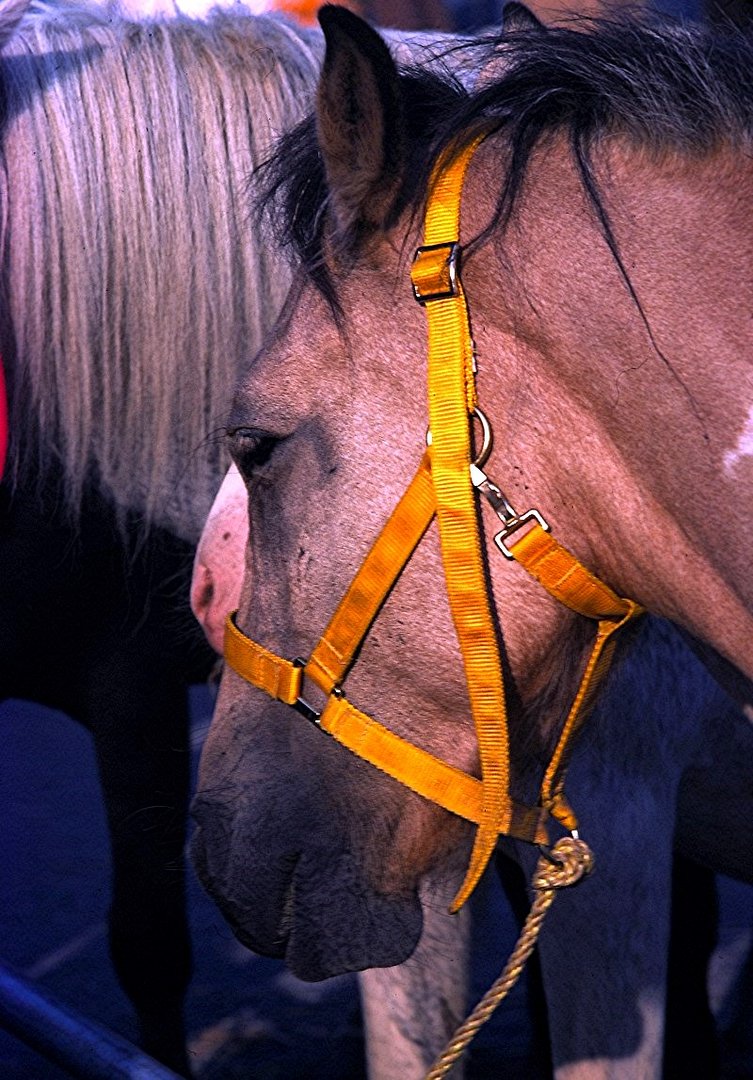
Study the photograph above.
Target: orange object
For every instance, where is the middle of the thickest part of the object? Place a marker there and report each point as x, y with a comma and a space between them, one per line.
304, 11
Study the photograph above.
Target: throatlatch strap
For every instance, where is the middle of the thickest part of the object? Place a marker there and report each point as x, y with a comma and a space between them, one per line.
552, 789
567, 580
451, 396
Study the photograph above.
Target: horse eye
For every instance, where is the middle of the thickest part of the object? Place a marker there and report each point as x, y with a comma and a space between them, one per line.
250, 448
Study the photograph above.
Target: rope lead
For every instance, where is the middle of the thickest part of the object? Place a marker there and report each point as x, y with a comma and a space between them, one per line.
568, 862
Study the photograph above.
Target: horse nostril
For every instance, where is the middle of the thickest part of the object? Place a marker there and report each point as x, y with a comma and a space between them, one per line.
202, 592
208, 607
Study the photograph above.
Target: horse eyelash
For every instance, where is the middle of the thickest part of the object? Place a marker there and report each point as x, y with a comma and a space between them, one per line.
250, 448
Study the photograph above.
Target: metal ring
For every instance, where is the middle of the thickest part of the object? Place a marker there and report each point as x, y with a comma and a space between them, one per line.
487, 438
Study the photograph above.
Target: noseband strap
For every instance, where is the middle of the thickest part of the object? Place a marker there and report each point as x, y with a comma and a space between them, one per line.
443, 486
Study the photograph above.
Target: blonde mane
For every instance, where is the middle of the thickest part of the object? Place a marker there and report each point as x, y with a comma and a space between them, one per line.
134, 284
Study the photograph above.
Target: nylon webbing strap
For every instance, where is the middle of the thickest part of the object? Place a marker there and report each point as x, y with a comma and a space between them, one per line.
552, 789
380, 569
567, 580
260, 667
451, 397
434, 779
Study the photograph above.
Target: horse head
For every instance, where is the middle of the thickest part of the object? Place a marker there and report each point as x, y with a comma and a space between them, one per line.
604, 244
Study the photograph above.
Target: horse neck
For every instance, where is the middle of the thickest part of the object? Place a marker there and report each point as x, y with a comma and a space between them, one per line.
612, 419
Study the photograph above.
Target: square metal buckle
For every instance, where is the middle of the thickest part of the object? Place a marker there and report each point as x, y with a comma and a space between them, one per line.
303, 707
440, 277
513, 524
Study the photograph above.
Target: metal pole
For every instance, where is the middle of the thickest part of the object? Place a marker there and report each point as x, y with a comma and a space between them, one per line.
81, 1047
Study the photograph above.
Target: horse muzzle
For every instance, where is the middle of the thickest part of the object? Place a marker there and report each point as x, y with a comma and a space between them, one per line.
315, 910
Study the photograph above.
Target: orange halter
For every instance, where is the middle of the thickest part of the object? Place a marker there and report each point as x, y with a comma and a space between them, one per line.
446, 484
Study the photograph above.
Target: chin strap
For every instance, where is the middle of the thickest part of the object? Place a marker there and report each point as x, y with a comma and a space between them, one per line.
446, 484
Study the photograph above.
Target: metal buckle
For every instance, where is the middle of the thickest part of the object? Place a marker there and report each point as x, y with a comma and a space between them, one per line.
308, 712
300, 704
512, 525
450, 270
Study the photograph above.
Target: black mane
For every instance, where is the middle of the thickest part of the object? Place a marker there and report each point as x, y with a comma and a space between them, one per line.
664, 86
292, 188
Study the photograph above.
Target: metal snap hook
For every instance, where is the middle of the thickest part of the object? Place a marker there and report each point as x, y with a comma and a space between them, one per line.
546, 851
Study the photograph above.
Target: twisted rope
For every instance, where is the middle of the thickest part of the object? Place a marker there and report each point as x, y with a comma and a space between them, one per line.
569, 860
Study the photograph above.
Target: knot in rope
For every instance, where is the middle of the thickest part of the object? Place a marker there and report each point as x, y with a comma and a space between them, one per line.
568, 861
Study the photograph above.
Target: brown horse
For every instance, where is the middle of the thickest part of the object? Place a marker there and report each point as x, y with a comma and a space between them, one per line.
604, 220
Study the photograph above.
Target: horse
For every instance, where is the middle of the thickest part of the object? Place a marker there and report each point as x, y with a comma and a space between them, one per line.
132, 290
410, 1011
601, 277
127, 147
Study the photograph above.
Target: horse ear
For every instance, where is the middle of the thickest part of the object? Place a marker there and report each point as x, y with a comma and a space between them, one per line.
360, 124
516, 16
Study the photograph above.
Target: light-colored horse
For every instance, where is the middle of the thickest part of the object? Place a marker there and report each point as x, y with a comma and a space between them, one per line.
134, 289
613, 422
127, 223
